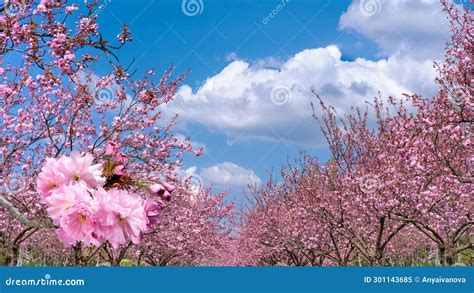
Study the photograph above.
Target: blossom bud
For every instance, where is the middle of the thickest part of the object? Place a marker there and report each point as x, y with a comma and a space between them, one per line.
121, 158
118, 170
111, 148
163, 190
152, 210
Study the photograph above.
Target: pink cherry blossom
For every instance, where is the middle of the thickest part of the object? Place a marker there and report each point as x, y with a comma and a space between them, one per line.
153, 211
162, 190
121, 158
121, 216
111, 148
78, 222
64, 237
49, 178
77, 168
65, 197
119, 170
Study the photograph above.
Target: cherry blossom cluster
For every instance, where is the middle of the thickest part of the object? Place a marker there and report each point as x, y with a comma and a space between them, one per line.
191, 232
88, 203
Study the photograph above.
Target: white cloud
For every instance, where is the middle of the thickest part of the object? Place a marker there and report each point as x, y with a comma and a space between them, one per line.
415, 28
223, 174
248, 101
269, 99
229, 174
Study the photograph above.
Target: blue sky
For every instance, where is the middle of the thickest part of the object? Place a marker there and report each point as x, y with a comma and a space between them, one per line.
254, 63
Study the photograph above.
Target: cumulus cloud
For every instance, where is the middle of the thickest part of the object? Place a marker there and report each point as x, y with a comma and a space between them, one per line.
248, 101
415, 28
223, 174
229, 174
269, 99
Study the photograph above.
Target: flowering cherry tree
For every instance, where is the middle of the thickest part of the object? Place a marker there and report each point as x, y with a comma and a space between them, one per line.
435, 147
399, 184
81, 154
192, 231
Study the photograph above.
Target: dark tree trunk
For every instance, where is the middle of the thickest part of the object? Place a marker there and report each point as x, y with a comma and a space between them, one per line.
446, 256
11, 257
